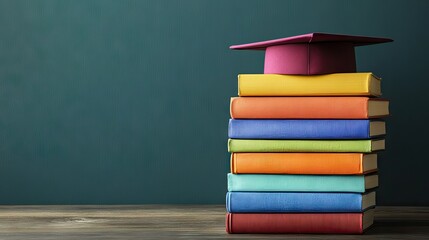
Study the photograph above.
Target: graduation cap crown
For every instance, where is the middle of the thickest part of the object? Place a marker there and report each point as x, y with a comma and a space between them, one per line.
310, 54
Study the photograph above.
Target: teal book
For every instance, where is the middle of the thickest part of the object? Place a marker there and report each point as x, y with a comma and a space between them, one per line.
363, 146
301, 183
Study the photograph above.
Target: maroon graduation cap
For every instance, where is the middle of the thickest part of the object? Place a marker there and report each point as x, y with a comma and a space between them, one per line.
310, 54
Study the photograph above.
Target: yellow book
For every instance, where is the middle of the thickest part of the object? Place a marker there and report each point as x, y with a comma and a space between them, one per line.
338, 84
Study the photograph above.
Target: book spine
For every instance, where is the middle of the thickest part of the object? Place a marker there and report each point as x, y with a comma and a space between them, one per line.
295, 183
344, 223
266, 202
245, 145
299, 108
298, 129
297, 163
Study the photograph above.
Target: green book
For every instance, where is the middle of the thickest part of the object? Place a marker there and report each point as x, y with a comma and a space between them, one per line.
364, 146
300, 183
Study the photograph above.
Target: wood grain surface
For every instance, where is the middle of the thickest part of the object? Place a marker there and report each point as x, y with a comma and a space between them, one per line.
176, 222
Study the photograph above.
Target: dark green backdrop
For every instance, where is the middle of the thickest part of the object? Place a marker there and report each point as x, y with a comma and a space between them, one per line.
108, 102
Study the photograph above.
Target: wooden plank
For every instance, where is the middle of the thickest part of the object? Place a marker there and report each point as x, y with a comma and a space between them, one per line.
175, 221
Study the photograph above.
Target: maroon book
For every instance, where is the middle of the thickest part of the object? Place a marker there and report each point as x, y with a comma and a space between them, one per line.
334, 223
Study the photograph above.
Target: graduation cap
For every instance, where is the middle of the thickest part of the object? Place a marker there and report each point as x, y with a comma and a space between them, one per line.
313, 53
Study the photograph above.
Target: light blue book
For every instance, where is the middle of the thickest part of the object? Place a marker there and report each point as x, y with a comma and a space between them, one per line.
301, 183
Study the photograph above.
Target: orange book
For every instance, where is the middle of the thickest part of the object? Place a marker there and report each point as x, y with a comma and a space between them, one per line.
308, 107
303, 163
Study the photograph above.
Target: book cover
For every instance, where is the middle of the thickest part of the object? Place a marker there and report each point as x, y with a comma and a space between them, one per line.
305, 129
303, 163
335, 223
300, 183
338, 84
308, 107
266, 202
359, 146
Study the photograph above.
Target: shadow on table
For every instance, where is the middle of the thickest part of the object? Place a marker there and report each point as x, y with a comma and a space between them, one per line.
399, 226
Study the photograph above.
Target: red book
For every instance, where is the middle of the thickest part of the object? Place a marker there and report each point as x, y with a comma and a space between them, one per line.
336, 223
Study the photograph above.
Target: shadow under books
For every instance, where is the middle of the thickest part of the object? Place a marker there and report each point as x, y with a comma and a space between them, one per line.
399, 226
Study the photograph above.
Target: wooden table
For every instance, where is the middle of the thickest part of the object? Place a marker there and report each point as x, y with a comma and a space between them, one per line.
176, 222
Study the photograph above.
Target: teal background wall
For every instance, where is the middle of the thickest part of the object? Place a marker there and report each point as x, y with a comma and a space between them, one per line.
120, 102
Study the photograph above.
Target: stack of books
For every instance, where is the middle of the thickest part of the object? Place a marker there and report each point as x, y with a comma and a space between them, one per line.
303, 139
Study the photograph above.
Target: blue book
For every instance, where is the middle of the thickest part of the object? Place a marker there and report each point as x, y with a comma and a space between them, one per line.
305, 129
271, 202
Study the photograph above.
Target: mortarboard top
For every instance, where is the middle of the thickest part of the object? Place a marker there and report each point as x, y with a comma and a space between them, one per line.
313, 53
